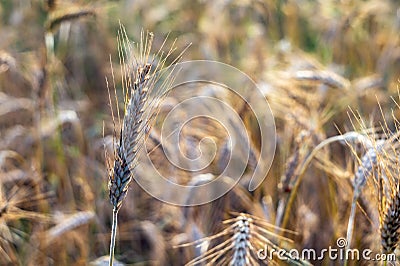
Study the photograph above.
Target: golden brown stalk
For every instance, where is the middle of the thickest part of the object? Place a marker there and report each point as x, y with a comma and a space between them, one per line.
6, 61
68, 14
368, 164
327, 77
364, 171
16, 204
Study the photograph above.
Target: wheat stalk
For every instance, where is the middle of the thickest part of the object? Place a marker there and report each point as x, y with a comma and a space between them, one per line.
120, 174
58, 16
389, 201
350, 137
244, 236
390, 224
145, 84
364, 171
380, 153
327, 77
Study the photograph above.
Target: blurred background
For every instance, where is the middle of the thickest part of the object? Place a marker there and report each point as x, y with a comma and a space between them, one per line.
315, 61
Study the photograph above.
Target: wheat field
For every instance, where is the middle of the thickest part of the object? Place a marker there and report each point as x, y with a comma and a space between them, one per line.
109, 157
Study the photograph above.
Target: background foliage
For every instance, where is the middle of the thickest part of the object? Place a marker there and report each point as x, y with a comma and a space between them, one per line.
314, 60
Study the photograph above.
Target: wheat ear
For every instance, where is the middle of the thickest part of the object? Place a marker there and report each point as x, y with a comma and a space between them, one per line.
377, 151
239, 243
365, 170
145, 84
120, 175
390, 224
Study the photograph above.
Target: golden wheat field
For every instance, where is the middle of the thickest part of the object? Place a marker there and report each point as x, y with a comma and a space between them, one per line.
247, 132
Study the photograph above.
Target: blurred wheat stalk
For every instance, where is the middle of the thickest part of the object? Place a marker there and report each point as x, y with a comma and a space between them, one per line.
358, 48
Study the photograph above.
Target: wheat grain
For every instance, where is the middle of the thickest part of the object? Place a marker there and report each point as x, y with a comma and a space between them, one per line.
365, 170
246, 235
139, 77
390, 226
241, 242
